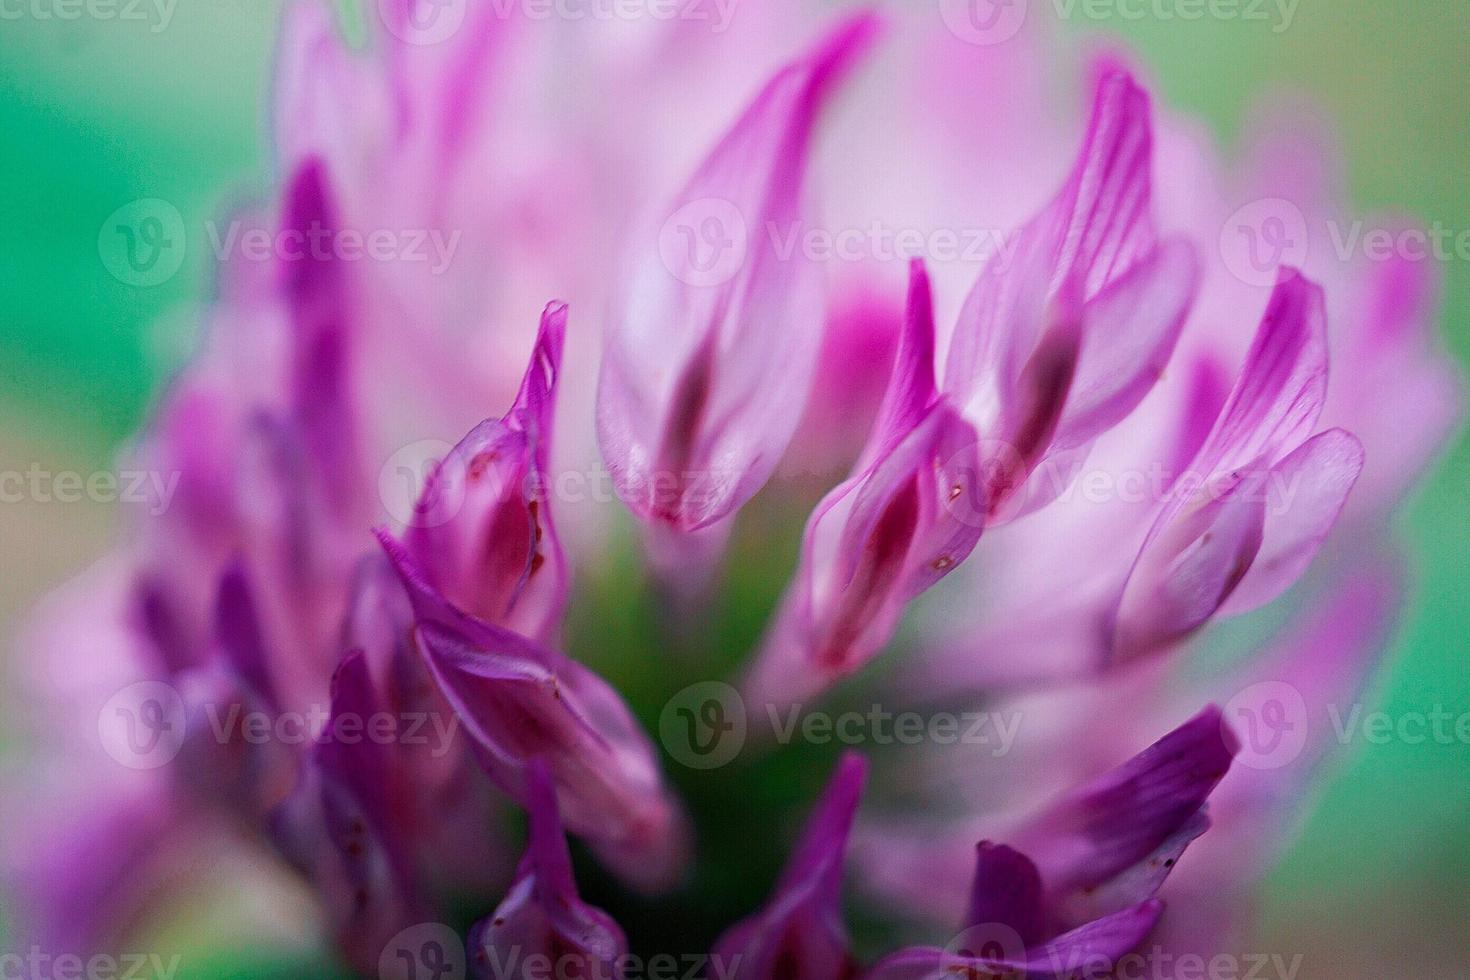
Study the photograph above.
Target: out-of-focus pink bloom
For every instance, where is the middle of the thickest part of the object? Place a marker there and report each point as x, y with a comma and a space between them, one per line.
338, 826
800, 931
904, 518
1268, 490
543, 915
1391, 387
520, 701
711, 349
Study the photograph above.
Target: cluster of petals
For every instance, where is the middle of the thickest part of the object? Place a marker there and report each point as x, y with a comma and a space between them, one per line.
1107, 337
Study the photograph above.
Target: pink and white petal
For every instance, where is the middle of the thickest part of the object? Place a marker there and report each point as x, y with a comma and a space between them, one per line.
1185, 573
1129, 333
705, 375
1278, 398
1305, 493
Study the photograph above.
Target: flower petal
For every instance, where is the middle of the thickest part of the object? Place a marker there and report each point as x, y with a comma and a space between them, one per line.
482, 530
901, 523
800, 932
543, 914
1305, 493
521, 701
1122, 818
710, 358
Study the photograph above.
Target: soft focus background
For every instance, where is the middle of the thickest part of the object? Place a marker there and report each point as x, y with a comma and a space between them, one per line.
95, 114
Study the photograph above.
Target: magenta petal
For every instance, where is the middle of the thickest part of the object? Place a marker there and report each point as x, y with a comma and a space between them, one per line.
1102, 830
543, 915
520, 701
316, 289
1089, 950
903, 521
1095, 229
709, 358
800, 932
911, 388
1065, 332
1276, 402
1183, 576
339, 825
1130, 331
1007, 891
239, 633
1204, 542
482, 530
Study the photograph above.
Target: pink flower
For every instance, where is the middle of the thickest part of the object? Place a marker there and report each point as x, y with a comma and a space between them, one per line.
1057, 497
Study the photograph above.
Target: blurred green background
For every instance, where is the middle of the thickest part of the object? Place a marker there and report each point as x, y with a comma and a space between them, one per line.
98, 114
